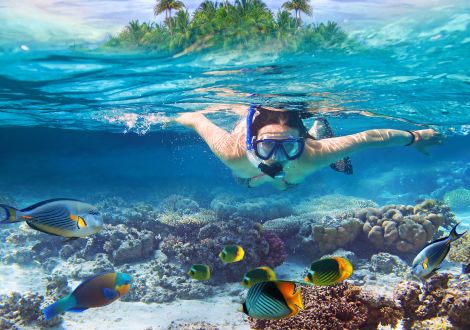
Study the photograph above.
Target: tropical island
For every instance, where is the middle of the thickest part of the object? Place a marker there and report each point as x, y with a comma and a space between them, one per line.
244, 23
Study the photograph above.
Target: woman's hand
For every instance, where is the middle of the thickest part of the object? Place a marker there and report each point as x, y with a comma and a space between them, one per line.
425, 138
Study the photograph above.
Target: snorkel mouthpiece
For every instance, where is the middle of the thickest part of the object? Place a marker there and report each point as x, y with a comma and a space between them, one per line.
274, 171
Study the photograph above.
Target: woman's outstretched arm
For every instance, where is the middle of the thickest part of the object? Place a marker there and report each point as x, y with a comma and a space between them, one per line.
223, 144
332, 149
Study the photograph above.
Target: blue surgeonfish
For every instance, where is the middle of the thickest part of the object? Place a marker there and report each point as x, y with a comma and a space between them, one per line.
431, 256
273, 300
61, 217
97, 291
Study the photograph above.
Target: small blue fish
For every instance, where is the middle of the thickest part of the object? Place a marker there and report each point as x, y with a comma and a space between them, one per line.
432, 255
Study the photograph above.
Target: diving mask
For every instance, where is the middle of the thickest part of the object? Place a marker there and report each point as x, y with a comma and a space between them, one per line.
291, 148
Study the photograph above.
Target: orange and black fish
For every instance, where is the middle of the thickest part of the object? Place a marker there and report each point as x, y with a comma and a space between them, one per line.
273, 300
329, 271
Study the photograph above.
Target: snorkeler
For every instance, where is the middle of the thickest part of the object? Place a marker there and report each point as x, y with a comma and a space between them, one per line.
274, 146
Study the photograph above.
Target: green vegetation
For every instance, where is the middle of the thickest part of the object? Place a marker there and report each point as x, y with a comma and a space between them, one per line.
244, 23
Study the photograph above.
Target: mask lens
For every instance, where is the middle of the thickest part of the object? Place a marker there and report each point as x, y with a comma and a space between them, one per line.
265, 148
291, 148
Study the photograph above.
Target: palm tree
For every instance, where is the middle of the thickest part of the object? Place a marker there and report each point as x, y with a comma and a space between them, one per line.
167, 6
299, 6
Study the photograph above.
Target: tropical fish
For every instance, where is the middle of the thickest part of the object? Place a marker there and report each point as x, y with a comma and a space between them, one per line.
256, 275
232, 253
61, 217
200, 272
329, 271
97, 291
431, 256
273, 300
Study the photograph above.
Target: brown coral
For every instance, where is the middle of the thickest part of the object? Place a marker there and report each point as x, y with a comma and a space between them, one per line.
203, 245
337, 307
460, 250
404, 228
440, 296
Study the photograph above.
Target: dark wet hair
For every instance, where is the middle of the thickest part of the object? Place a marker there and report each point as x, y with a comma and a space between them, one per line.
292, 119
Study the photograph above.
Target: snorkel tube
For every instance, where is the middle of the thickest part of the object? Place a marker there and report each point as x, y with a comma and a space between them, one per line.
275, 171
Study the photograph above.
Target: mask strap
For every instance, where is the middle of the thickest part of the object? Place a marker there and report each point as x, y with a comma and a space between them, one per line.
249, 121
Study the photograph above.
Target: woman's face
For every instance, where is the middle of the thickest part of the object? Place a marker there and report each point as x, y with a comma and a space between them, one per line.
277, 131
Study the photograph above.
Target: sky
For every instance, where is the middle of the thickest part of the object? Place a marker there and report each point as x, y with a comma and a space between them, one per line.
94, 20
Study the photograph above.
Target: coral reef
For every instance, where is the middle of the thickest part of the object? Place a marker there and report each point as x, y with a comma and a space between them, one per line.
337, 307
255, 209
333, 205
161, 281
315, 235
386, 263
203, 244
460, 250
112, 246
404, 228
179, 204
442, 295
19, 310
458, 199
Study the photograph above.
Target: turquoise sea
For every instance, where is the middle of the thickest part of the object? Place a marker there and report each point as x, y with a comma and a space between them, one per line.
81, 122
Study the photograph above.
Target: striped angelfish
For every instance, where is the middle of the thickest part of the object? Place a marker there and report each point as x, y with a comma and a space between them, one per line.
431, 256
329, 271
61, 217
273, 300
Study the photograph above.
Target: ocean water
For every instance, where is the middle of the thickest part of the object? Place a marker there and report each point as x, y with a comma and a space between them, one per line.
91, 125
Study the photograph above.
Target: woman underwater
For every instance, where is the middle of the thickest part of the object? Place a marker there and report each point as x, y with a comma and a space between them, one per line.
274, 146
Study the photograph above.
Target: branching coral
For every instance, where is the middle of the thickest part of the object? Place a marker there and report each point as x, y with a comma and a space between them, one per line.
337, 307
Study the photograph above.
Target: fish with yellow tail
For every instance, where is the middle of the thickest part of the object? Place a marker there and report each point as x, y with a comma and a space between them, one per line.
232, 253
257, 275
200, 272
61, 217
273, 300
329, 271
431, 256
98, 291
